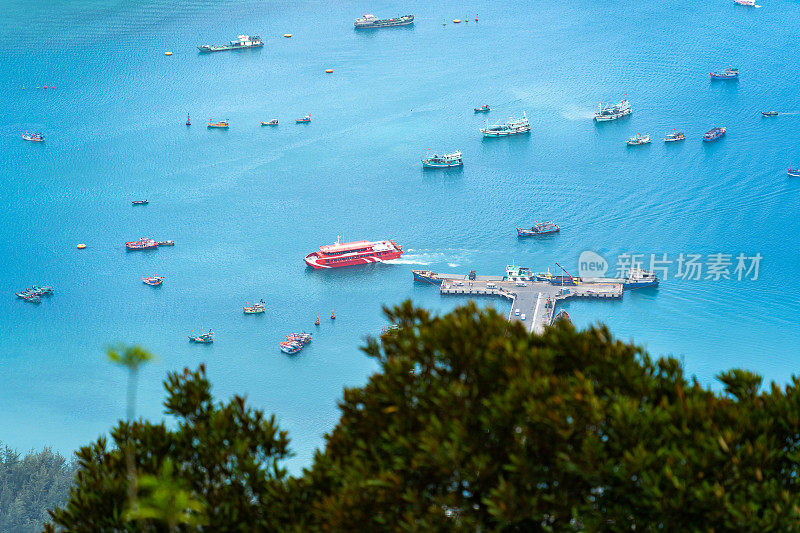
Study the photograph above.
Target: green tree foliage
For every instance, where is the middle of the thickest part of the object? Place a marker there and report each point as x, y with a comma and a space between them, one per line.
225, 454
472, 424
29, 486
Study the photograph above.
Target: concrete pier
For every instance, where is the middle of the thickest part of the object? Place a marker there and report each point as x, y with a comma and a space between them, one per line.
532, 302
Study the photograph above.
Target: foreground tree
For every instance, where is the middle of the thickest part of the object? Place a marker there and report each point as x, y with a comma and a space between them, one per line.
473, 424
222, 457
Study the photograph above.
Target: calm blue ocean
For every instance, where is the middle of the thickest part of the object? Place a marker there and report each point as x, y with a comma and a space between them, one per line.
244, 206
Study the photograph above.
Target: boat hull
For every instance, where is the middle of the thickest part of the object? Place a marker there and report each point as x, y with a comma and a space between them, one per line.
615, 116
427, 164
385, 23
226, 47
313, 260
425, 276
793, 173
639, 284
490, 133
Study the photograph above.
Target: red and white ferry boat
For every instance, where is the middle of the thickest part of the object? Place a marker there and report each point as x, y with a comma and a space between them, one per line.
342, 254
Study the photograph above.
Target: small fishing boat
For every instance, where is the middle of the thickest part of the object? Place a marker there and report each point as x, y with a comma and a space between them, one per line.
748, 3
188, 122
793, 172
638, 139
139, 202
729, 73
675, 136
32, 299
540, 228
165, 243
610, 112
254, 309
483, 109
302, 338
33, 136
153, 281
306, 118
220, 124
205, 338
142, 244
770, 113
713, 134
273, 122
443, 161
291, 348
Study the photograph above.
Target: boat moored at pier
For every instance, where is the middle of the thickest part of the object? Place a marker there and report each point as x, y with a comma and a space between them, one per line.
713, 134
371, 21
639, 278
729, 73
540, 228
241, 42
342, 254
638, 139
613, 111
513, 126
452, 159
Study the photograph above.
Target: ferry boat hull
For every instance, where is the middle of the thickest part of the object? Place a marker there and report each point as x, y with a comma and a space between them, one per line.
353, 254
426, 276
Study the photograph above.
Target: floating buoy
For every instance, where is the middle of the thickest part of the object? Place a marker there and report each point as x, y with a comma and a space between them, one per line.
332, 315
328, 71
81, 246
456, 21
287, 35
23, 87
316, 322
45, 86
167, 53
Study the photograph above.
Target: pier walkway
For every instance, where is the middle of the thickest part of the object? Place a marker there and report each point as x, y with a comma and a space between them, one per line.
532, 302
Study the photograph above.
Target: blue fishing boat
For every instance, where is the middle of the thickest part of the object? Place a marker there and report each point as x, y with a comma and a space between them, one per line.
713, 134
793, 172
729, 73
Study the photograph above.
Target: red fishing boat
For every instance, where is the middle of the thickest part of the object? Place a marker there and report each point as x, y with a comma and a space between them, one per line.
342, 254
141, 244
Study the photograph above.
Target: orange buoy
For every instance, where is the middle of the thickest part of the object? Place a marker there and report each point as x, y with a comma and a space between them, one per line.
456, 21
328, 71
316, 322
332, 315
167, 53
287, 35
81, 246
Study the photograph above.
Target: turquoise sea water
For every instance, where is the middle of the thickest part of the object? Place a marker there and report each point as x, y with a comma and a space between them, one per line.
245, 205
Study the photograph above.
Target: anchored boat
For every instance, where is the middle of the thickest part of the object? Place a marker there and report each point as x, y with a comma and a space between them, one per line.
638, 139
371, 21
205, 338
241, 42
713, 134
540, 228
254, 309
306, 118
729, 73
220, 124
273, 122
674, 137
142, 244
452, 159
513, 126
33, 136
770, 113
483, 109
139, 202
793, 172
748, 3
353, 253
613, 111
153, 281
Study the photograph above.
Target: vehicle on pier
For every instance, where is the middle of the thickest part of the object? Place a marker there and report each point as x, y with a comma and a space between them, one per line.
452, 159
514, 126
540, 228
341, 254
613, 111
713, 134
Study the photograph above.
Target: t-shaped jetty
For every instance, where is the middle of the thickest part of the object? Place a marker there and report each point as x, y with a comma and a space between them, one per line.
534, 296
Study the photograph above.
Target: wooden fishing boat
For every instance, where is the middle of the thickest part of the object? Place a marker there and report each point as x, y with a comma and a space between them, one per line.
220, 124
205, 338
306, 118
153, 281
139, 202
273, 122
